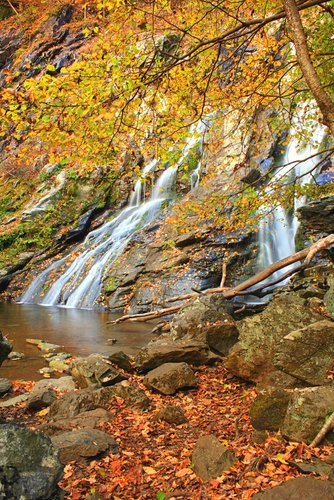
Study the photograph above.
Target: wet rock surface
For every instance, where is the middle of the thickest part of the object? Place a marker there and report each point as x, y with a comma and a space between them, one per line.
29, 465
170, 377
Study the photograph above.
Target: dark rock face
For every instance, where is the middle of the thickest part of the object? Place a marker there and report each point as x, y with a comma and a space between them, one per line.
211, 458
207, 319
268, 410
29, 465
41, 399
172, 414
166, 350
318, 215
82, 445
308, 353
5, 386
170, 377
95, 371
252, 358
5, 348
306, 413
121, 360
301, 487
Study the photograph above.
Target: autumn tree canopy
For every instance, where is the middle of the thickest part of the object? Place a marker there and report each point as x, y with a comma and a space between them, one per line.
152, 68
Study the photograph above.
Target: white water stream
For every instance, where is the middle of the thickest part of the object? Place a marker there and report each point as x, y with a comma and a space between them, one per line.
80, 284
278, 227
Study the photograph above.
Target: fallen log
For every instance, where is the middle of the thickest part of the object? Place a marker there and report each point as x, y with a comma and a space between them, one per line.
329, 425
307, 255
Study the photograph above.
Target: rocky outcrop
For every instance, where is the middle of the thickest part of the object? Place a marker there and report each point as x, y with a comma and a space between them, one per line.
307, 354
207, 319
318, 215
29, 465
307, 412
211, 458
252, 358
170, 377
166, 350
301, 487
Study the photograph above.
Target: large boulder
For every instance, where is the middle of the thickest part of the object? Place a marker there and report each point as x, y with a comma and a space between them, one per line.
268, 409
5, 386
301, 487
211, 458
5, 348
95, 371
167, 350
40, 399
64, 384
306, 413
207, 318
76, 402
83, 444
170, 377
252, 358
29, 465
308, 353
85, 420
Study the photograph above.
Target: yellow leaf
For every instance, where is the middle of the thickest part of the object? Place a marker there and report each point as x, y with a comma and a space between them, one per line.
43, 412
149, 470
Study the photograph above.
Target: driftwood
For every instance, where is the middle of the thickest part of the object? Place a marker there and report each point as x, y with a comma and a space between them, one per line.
305, 255
323, 431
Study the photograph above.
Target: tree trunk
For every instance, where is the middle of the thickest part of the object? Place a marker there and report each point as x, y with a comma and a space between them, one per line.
326, 105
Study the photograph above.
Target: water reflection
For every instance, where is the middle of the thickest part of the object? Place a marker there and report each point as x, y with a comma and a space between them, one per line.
78, 331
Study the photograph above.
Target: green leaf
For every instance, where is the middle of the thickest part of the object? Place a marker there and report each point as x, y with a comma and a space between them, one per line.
161, 495
50, 67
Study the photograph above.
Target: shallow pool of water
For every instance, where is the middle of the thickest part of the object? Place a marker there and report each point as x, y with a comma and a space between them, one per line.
79, 332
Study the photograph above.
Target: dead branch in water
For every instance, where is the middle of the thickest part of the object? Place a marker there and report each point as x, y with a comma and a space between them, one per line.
307, 255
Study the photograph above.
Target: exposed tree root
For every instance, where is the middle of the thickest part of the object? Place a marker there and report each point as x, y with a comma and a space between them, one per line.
307, 254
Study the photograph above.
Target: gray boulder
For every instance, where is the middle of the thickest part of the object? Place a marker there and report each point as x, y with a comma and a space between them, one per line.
268, 409
211, 458
306, 413
167, 350
5, 386
301, 487
64, 384
95, 371
252, 358
83, 444
85, 420
29, 465
73, 403
307, 354
208, 319
41, 399
5, 348
170, 377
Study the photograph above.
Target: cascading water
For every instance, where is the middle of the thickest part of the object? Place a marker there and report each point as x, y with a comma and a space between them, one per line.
278, 228
81, 283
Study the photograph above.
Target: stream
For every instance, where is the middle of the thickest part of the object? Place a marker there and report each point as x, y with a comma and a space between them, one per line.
79, 332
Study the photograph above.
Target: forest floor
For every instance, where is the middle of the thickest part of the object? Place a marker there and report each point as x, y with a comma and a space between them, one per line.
154, 461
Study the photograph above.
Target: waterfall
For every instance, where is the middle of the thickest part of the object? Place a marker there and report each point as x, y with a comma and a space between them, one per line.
80, 284
278, 227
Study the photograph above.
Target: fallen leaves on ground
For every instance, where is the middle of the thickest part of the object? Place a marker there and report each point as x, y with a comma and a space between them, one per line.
154, 460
